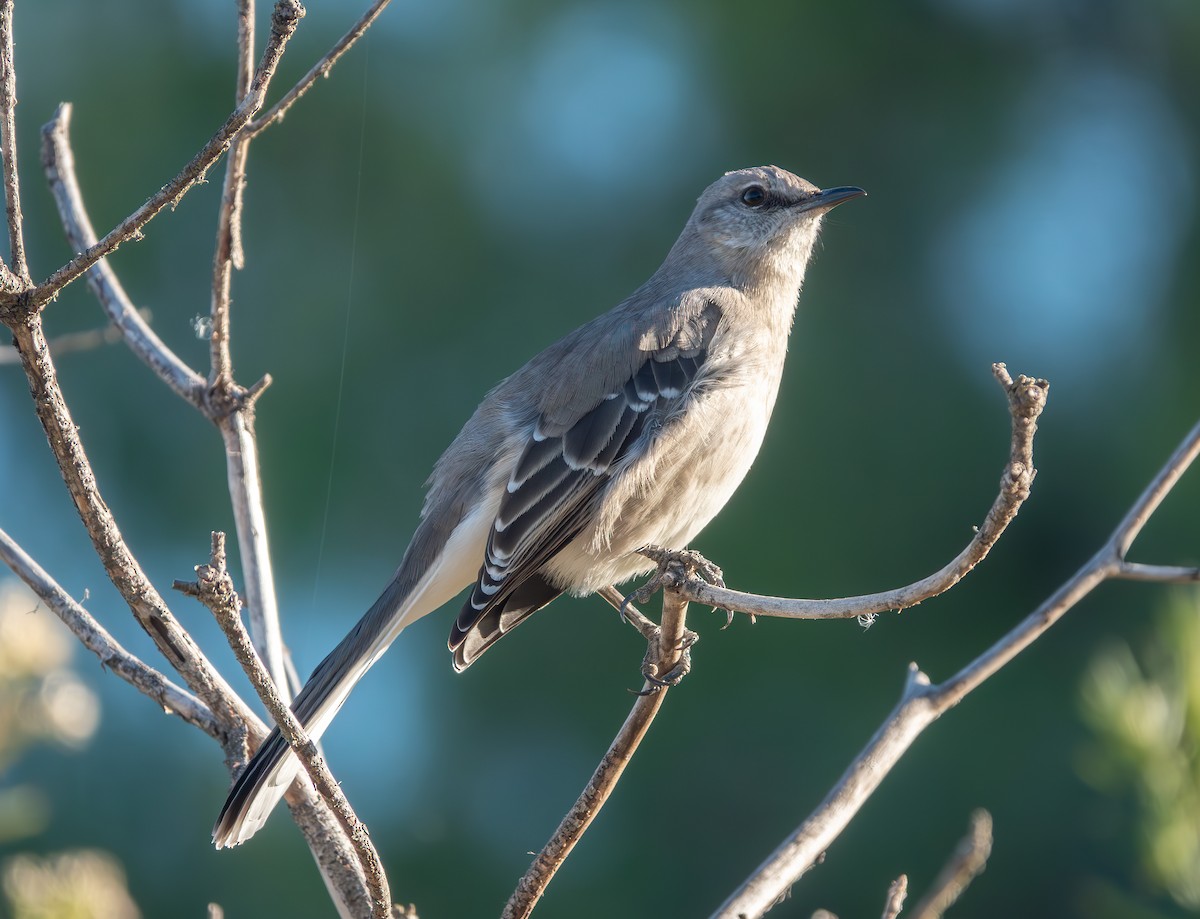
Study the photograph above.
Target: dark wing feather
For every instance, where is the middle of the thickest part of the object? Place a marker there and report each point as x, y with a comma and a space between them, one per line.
593, 432
537, 454
552, 494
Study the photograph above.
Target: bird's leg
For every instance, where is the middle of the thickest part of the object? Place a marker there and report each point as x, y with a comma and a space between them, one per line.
667, 665
628, 612
656, 654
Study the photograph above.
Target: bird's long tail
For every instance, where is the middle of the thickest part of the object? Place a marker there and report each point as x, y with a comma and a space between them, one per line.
407, 598
274, 766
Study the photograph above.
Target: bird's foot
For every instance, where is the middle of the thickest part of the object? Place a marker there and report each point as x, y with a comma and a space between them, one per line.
677, 565
654, 655
675, 568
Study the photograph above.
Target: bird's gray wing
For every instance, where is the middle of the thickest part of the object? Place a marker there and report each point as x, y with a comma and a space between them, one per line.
560, 478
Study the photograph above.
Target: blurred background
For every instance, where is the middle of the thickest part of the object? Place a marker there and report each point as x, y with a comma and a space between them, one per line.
476, 179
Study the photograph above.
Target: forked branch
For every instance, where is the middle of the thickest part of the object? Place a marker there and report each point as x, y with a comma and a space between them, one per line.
923, 702
21, 303
284, 19
684, 582
320, 69
214, 588
97, 639
58, 164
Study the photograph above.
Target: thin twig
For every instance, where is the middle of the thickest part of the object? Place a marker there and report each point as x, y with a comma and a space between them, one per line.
235, 189
214, 588
228, 253
228, 412
245, 44
286, 16
19, 308
120, 565
233, 408
896, 895
249, 514
227, 256
967, 863
534, 882
173, 699
600, 787
8, 146
1148, 501
320, 69
922, 703
1027, 398
58, 163
1103, 565
1167, 574
84, 340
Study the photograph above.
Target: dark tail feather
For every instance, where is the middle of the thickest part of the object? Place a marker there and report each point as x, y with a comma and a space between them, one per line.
485, 630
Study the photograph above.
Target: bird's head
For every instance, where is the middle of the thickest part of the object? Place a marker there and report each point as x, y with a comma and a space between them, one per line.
761, 223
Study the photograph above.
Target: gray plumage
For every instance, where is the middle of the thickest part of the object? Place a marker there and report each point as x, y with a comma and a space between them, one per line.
634, 429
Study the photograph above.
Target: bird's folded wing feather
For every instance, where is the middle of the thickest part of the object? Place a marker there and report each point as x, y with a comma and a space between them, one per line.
560, 476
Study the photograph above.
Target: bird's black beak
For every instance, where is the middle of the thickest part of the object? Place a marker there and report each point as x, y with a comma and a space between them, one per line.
829, 198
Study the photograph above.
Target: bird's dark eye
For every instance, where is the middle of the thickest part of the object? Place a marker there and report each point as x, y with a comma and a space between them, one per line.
754, 196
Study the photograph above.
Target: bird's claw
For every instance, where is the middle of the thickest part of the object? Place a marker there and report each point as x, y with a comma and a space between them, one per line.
675, 566
674, 674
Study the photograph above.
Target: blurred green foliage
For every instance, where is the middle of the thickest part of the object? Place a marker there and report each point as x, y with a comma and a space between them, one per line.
43, 700
477, 179
1146, 716
80, 884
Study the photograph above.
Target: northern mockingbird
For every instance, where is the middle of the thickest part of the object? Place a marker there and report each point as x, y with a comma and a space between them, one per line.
633, 430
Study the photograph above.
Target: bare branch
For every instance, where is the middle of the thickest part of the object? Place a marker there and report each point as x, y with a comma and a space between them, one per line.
897, 893
214, 588
85, 340
967, 863
246, 495
144, 678
1149, 500
122, 568
284, 19
671, 642
241, 453
235, 184
1026, 398
8, 146
58, 162
804, 848
1107, 563
320, 69
598, 790
922, 703
233, 408
245, 43
1167, 574
229, 254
